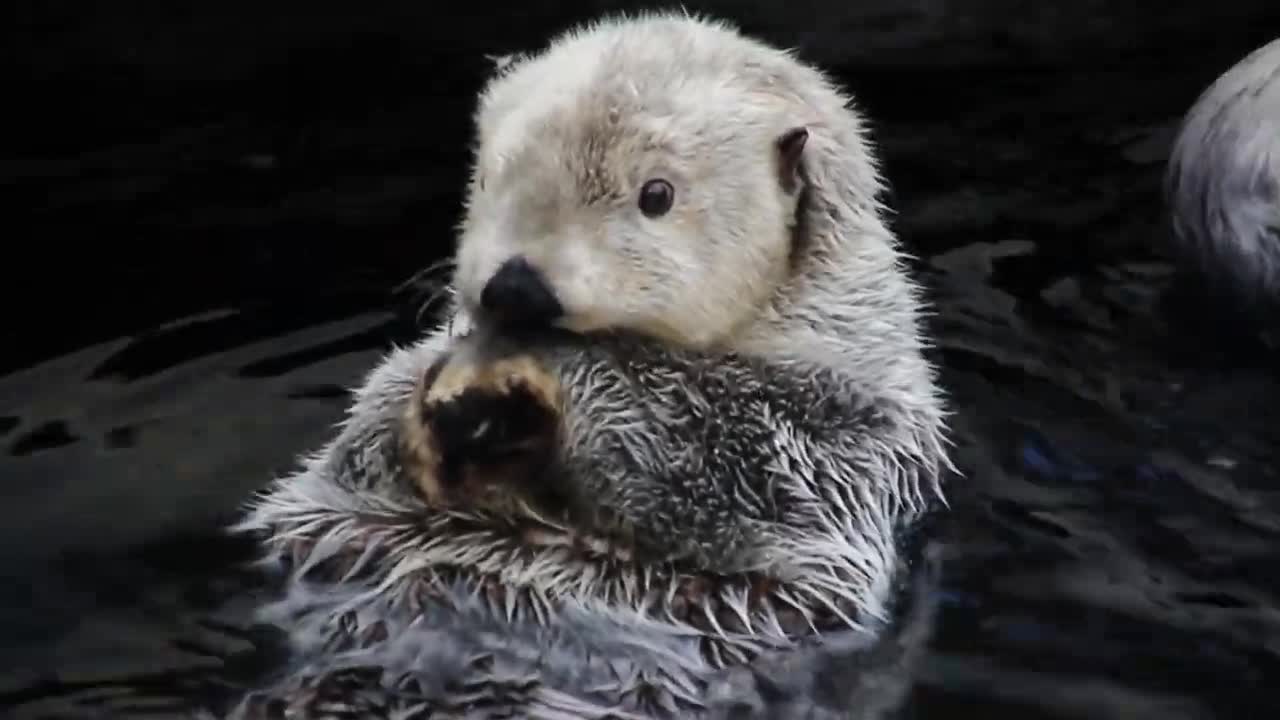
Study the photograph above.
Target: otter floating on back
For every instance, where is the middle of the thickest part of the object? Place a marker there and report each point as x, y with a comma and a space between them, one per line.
668, 456
1223, 183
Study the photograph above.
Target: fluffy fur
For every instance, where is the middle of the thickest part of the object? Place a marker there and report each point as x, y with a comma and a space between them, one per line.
1223, 182
743, 426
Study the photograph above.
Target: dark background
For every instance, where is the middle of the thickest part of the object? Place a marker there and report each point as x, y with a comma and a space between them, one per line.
167, 157
284, 166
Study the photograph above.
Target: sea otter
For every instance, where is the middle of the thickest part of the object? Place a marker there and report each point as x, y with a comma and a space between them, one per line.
668, 454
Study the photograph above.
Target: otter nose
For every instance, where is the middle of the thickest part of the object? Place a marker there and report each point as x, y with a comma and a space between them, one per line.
517, 294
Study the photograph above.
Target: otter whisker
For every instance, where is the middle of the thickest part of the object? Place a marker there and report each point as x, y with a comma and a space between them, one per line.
438, 266
429, 296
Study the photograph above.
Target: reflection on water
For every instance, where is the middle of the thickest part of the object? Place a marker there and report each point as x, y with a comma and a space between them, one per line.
1110, 554
124, 445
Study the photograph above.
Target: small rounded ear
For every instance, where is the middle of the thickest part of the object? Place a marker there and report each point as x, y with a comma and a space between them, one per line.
790, 146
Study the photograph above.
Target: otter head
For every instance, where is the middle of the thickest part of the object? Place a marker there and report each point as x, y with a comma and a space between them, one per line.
640, 180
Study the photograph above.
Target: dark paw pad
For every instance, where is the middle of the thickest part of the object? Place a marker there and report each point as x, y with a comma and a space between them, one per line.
483, 424
483, 429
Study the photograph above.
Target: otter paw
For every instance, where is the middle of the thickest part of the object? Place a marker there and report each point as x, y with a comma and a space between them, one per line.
482, 424
491, 413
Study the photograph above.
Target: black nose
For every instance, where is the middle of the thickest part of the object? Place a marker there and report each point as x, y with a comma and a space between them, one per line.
518, 295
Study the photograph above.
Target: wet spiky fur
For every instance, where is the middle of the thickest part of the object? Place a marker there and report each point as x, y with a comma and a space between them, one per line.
735, 490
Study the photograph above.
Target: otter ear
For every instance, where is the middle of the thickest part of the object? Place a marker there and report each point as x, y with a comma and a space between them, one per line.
790, 146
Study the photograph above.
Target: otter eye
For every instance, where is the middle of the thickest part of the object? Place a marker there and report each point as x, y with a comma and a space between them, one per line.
656, 197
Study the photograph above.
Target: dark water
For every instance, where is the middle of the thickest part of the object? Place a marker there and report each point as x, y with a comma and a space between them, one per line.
221, 226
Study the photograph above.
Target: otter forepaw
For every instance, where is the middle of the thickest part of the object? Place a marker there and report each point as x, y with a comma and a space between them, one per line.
492, 412
481, 424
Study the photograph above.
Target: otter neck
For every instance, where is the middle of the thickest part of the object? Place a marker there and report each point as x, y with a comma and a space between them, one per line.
850, 305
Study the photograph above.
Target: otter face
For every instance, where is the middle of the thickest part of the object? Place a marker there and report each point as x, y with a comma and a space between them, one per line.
609, 195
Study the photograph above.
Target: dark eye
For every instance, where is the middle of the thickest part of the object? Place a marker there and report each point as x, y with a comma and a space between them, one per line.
656, 197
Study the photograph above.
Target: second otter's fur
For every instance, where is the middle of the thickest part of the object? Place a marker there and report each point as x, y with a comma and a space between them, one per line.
735, 425
1222, 184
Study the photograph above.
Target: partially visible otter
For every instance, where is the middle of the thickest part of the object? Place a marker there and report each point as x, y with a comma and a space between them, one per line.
1223, 184
679, 429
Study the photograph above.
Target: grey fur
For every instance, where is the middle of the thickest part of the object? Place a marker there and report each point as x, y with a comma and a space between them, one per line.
740, 488
1223, 180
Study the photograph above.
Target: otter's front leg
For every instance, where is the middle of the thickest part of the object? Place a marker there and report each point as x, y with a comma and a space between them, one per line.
717, 459
666, 448
691, 456
632, 439
547, 421
367, 452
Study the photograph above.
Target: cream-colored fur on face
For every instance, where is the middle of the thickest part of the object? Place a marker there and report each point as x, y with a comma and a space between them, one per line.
567, 140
